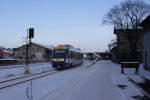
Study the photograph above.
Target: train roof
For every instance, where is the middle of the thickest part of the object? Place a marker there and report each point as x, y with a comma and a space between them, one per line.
71, 48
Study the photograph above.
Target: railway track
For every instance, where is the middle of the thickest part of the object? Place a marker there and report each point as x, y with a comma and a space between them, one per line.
25, 78
19, 66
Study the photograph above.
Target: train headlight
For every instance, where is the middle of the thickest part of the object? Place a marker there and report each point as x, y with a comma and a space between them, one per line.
58, 60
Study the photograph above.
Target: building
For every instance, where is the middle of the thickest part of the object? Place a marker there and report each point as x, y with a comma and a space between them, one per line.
113, 51
113, 54
36, 52
146, 26
5, 53
104, 55
123, 48
88, 56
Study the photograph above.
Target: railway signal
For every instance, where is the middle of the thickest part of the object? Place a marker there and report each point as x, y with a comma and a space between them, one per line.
30, 35
31, 32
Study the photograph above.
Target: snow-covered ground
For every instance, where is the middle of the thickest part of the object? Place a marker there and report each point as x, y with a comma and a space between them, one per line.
101, 81
16, 70
143, 72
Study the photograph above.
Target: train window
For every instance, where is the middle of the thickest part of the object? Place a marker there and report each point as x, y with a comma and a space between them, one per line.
59, 53
69, 54
72, 55
76, 56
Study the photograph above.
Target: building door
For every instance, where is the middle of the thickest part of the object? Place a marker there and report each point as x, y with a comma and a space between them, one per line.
145, 59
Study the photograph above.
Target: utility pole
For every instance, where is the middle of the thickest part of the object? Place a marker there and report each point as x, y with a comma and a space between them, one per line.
30, 35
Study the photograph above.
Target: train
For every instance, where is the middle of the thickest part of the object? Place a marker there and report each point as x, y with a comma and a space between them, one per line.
66, 56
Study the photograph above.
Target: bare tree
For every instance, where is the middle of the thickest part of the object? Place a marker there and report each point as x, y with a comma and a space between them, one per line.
128, 15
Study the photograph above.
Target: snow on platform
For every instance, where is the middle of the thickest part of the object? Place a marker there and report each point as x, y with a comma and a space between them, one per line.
97, 82
125, 86
91, 83
144, 73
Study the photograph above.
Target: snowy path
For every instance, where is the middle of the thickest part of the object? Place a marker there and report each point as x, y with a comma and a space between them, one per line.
92, 83
97, 82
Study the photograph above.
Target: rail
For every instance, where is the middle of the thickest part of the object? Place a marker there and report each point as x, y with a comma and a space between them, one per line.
29, 77
25, 78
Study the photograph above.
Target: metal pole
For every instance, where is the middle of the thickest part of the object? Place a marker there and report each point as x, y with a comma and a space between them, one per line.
30, 34
26, 69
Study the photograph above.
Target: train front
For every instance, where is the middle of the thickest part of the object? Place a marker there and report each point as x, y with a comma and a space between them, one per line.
59, 58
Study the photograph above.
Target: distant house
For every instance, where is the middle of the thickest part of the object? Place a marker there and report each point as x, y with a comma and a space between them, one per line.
88, 56
123, 49
146, 26
104, 55
1, 54
4, 53
113, 54
113, 51
92, 56
36, 52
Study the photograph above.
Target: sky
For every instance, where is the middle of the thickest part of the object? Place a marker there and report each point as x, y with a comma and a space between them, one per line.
74, 22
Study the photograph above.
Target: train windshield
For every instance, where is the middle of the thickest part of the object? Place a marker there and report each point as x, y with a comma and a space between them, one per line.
59, 53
